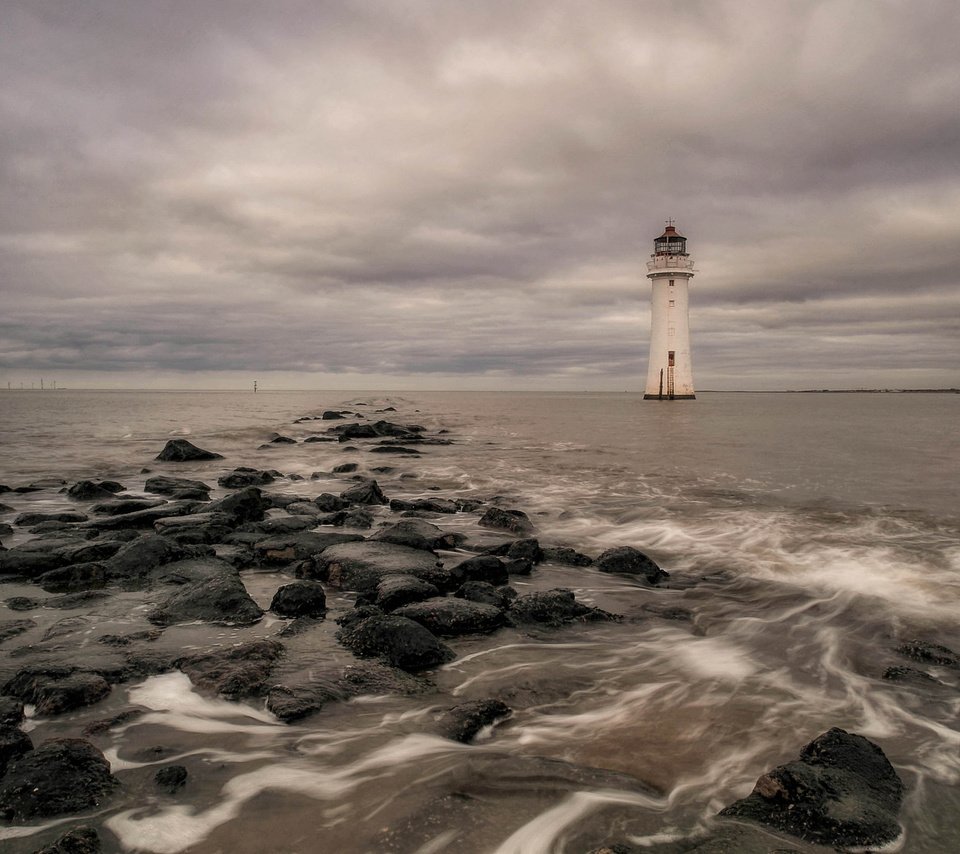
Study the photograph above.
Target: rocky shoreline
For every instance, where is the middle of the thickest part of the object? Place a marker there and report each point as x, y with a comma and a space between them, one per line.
173, 554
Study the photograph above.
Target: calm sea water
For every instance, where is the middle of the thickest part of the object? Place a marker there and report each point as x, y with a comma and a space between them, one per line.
809, 534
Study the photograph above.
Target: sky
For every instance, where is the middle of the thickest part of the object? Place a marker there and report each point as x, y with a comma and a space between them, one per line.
435, 194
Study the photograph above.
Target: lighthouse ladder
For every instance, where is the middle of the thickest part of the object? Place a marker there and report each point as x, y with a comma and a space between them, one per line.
670, 382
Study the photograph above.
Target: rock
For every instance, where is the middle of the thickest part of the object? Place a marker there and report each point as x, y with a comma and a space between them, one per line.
19, 603
481, 568
87, 490
841, 792
521, 566
331, 415
361, 566
366, 492
146, 518
79, 576
241, 507
11, 713
180, 451
417, 534
174, 486
630, 561
54, 689
486, 594
14, 742
12, 628
195, 528
132, 637
241, 671
80, 840
515, 521
26, 519
282, 440
291, 547
345, 468
397, 590
76, 600
395, 449
909, 674
221, 599
119, 506
451, 617
141, 556
930, 653
463, 722
397, 641
566, 556
63, 775
276, 526
171, 778
555, 607
300, 599
244, 476
311, 439
330, 503
528, 549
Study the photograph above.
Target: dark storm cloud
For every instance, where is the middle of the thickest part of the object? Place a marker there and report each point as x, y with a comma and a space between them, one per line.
413, 189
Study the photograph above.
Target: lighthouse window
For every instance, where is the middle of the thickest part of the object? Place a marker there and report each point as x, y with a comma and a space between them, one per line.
673, 302
671, 283
671, 330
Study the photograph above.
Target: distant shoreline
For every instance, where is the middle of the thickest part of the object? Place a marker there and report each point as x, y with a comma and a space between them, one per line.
837, 391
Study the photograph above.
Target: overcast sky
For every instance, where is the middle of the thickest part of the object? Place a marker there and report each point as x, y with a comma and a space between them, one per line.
441, 194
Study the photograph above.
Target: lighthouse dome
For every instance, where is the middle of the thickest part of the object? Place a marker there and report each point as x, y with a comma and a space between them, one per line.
671, 242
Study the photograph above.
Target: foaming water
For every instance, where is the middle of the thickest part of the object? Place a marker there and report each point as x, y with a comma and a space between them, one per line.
807, 537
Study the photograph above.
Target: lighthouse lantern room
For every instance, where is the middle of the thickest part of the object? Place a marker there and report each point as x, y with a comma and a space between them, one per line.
670, 372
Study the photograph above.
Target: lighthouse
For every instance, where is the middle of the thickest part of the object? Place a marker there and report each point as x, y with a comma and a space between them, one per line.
670, 373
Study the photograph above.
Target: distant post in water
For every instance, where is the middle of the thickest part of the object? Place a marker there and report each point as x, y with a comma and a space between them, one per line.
670, 372
254, 386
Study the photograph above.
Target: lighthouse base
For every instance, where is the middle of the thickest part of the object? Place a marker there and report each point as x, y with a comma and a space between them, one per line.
669, 397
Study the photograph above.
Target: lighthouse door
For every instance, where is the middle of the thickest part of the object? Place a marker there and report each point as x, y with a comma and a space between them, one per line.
670, 366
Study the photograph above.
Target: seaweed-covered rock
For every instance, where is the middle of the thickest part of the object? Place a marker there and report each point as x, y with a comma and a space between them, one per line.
220, 599
630, 561
63, 775
397, 641
515, 521
300, 599
451, 617
180, 450
555, 607
463, 722
842, 792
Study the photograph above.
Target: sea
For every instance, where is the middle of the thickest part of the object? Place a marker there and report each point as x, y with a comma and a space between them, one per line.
807, 535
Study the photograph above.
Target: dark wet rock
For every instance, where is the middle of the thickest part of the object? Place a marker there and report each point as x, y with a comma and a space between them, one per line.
20, 603
555, 607
87, 490
65, 626
526, 549
451, 617
361, 566
909, 674
12, 628
132, 637
304, 508
40, 485
929, 653
668, 612
291, 547
397, 641
104, 724
515, 521
356, 517
144, 519
275, 526
221, 599
463, 722
54, 689
241, 507
180, 451
78, 577
331, 415
76, 600
80, 840
195, 528
486, 594
328, 503
520, 566
62, 776
171, 778
294, 702
630, 561
11, 713
395, 449
312, 439
282, 440
345, 468
435, 505
92, 551
397, 590
842, 791
139, 557
112, 486
244, 476
481, 568
417, 534
300, 599
173, 486
566, 556
240, 671
26, 519
14, 742
119, 506
361, 610
298, 626
366, 492
31, 559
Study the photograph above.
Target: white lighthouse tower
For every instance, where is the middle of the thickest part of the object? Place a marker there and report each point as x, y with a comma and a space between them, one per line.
670, 374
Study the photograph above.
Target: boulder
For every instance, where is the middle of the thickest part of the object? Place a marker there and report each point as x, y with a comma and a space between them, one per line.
240, 671
486, 594
195, 528
282, 440
298, 546
11, 713
345, 468
515, 521
331, 415
417, 534
221, 599
170, 778
14, 742
397, 641
330, 503
842, 792
566, 556
174, 486
241, 507
527, 549
481, 568
80, 840
361, 566
146, 518
87, 490
397, 590
930, 653
554, 608
119, 506
395, 449
12, 628
276, 526
463, 722
451, 617
244, 476
63, 775
25, 520
181, 451
630, 561
56, 689
365, 492
139, 557
300, 599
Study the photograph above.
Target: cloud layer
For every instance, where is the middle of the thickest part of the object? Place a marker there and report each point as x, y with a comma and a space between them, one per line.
464, 195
